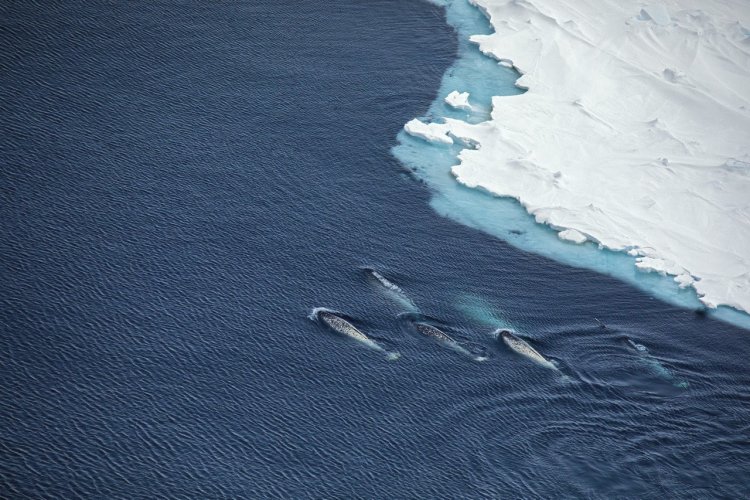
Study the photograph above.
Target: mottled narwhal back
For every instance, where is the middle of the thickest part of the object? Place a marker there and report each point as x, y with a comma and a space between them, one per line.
436, 333
431, 331
523, 348
340, 325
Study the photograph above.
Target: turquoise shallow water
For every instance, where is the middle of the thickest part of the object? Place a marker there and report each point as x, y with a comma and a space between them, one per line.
503, 217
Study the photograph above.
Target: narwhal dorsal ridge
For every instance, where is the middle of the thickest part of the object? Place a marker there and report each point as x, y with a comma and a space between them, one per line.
442, 337
523, 348
432, 331
341, 325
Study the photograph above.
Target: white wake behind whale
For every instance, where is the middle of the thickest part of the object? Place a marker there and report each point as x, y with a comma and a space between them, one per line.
394, 291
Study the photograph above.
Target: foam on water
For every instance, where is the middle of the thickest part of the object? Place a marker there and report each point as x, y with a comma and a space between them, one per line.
315, 311
394, 291
505, 218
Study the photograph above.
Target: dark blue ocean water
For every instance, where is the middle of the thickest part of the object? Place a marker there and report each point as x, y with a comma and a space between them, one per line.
181, 183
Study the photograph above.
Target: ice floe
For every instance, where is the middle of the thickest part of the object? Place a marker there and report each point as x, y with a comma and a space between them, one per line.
430, 132
634, 132
458, 100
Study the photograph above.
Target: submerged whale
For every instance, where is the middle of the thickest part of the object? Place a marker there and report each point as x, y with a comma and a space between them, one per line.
340, 325
480, 310
431, 331
393, 290
524, 349
655, 366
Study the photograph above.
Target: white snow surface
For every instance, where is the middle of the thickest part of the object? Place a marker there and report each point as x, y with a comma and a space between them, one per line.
634, 131
430, 132
458, 100
572, 235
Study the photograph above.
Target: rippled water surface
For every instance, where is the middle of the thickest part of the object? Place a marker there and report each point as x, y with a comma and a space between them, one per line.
182, 184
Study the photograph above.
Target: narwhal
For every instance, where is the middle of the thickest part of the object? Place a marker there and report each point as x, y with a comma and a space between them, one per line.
340, 325
524, 349
436, 333
655, 366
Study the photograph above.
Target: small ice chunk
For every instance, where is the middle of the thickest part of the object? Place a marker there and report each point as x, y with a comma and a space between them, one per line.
656, 13
684, 280
572, 235
430, 132
663, 267
458, 100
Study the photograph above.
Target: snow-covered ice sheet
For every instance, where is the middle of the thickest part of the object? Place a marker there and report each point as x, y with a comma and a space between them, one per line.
634, 132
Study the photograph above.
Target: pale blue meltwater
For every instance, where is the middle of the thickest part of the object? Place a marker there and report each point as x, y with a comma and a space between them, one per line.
483, 77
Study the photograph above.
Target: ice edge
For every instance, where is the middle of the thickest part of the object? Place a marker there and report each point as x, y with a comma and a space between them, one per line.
712, 172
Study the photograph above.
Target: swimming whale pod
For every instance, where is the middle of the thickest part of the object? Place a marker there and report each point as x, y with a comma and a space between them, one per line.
524, 349
340, 325
436, 333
